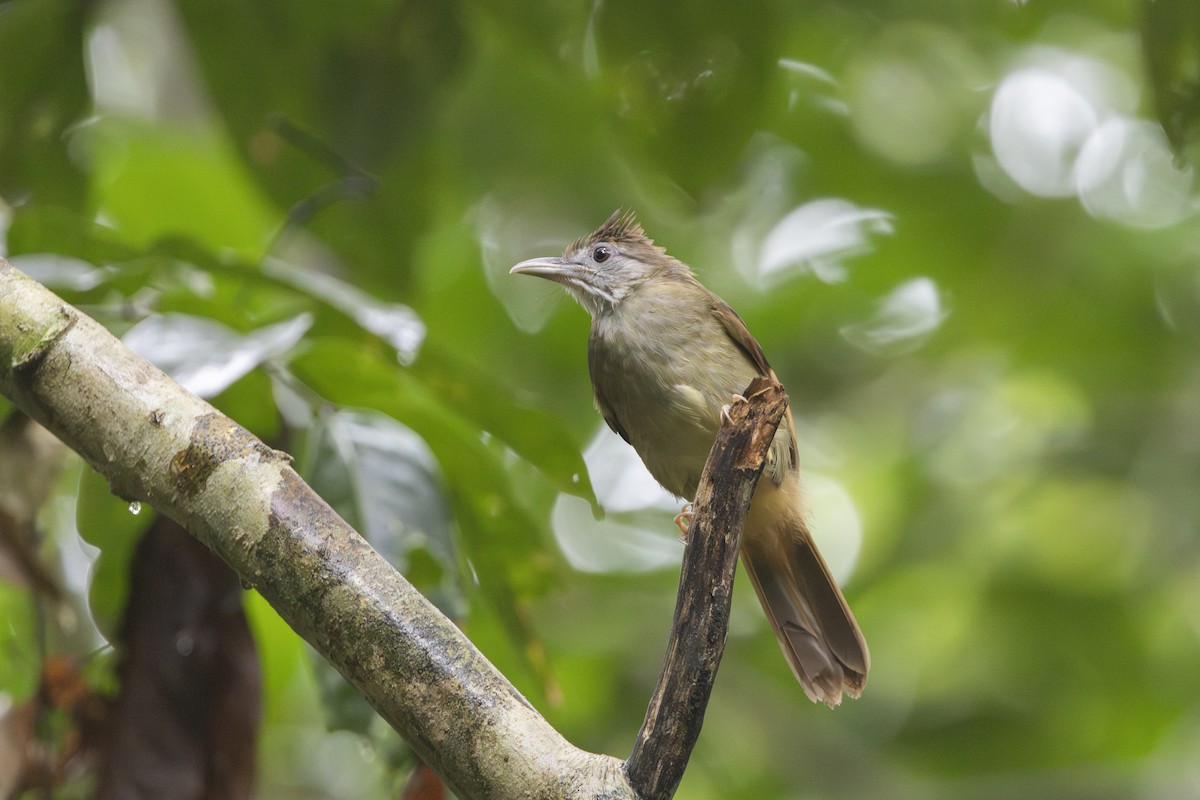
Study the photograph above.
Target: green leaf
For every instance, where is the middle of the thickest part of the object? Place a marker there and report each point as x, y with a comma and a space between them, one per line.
42, 93
381, 477
157, 181
537, 436
205, 357
39, 228
290, 693
504, 546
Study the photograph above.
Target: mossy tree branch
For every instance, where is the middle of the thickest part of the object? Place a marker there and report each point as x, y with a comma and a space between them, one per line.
159, 444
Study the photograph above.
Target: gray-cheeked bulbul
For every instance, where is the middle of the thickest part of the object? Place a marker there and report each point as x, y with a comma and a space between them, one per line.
665, 356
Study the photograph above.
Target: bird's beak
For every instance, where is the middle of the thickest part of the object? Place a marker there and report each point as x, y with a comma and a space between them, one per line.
554, 269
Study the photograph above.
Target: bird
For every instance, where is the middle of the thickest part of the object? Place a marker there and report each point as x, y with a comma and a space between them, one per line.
665, 356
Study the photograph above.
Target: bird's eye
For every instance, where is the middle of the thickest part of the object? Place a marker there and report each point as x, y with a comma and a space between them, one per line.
601, 254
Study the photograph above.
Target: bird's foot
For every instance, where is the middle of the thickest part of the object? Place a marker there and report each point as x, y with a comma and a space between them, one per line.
737, 398
683, 521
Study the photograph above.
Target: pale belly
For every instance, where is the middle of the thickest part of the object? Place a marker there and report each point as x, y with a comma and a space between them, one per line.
666, 387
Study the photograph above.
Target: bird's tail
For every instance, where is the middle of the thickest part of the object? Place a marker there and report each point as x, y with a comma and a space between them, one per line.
815, 627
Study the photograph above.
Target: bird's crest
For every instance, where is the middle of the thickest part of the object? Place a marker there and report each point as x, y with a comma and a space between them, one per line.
621, 228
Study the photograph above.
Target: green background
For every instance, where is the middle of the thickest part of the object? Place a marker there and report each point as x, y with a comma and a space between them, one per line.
964, 233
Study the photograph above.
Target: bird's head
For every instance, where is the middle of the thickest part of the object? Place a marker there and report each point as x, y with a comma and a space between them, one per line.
602, 268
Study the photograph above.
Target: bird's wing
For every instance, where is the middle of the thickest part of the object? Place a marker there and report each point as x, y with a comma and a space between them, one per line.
600, 365
742, 337
609, 415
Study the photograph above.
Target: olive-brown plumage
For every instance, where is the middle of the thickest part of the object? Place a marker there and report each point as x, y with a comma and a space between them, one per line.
665, 355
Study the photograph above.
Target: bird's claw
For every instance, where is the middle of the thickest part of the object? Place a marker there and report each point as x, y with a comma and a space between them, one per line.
683, 521
725, 418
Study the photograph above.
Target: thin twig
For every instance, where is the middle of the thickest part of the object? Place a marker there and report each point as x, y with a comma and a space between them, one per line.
676, 711
158, 444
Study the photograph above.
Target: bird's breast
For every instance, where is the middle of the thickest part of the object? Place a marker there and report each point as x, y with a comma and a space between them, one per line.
664, 379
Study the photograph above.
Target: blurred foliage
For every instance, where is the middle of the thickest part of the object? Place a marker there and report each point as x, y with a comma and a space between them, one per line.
965, 234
